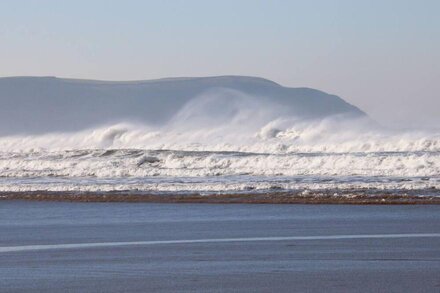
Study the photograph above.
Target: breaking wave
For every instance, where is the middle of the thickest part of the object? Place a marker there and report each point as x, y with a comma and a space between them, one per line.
217, 143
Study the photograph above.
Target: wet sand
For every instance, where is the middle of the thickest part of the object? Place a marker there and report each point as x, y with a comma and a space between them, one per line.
345, 197
312, 248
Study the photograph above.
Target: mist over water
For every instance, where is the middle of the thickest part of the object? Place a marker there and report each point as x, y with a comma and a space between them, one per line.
225, 140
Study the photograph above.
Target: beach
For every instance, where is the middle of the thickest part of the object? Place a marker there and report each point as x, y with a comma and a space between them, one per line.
324, 197
114, 247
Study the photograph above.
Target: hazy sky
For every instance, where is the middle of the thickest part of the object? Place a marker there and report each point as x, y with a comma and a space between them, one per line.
383, 56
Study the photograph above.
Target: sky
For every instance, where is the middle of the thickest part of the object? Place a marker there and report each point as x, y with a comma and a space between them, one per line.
380, 55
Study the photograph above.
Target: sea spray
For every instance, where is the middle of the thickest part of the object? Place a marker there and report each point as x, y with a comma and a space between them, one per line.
224, 141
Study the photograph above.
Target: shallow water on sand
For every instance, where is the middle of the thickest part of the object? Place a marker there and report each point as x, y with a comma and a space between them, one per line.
323, 261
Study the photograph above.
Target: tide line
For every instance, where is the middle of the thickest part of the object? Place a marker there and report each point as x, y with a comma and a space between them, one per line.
23, 248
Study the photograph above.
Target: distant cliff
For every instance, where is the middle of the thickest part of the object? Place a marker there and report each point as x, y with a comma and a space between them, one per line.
46, 104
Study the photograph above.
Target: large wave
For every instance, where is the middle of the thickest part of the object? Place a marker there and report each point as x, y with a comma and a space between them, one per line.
226, 133
228, 120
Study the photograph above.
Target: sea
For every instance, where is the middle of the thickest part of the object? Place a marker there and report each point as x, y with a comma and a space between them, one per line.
327, 156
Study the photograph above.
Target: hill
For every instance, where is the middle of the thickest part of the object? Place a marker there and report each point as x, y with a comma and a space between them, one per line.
47, 104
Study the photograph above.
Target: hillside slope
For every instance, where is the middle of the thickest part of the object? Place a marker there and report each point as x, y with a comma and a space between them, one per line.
47, 104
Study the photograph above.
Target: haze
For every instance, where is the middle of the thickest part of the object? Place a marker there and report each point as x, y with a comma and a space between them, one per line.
382, 56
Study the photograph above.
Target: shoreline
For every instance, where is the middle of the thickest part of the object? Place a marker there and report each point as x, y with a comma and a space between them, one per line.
255, 198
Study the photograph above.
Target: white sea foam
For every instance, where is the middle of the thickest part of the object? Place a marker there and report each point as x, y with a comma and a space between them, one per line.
131, 163
277, 136
214, 137
209, 187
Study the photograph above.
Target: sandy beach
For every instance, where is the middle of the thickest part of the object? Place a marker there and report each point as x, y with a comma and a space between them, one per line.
385, 198
124, 247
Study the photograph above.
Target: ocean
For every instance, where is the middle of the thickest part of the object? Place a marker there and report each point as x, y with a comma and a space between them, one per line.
330, 156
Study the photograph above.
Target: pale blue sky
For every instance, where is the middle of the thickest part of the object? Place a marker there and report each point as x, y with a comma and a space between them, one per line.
383, 56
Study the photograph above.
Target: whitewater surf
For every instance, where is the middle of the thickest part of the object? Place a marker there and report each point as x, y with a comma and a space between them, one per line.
226, 141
